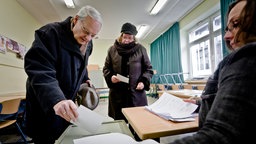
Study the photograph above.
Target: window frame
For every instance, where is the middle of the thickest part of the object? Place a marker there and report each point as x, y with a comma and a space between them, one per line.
212, 34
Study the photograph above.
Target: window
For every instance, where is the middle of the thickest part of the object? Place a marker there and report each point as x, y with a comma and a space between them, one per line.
199, 33
205, 46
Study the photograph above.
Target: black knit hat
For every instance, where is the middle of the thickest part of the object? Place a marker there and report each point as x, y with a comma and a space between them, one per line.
129, 28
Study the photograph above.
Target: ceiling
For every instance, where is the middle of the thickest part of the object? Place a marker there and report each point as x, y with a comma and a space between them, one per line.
115, 13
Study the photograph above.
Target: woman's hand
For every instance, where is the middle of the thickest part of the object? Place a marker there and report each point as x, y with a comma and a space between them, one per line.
114, 79
140, 86
190, 100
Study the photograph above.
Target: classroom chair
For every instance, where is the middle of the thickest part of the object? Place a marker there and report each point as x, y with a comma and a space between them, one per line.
176, 87
10, 110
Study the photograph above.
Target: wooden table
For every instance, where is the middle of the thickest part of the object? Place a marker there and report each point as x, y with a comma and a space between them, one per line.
183, 93
9, 96
196, 82
150, 126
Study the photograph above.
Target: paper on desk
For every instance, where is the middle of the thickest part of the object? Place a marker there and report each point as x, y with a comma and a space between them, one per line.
122, 78
88, 119
111, 138
173, 108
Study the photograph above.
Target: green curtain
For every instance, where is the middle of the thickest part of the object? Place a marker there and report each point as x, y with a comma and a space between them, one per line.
224, 4
165, 53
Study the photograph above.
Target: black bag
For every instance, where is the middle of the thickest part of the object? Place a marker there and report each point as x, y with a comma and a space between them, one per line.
87, 96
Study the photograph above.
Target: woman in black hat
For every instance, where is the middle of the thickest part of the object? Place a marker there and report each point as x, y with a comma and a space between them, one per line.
129, 59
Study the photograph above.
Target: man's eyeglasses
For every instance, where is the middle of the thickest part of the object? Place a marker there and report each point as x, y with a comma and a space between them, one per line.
231, 26
85, 31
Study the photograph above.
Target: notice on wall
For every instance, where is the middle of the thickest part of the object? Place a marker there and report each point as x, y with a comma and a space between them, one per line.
7, 44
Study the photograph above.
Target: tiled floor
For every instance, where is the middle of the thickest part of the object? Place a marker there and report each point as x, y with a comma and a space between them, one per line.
9, 135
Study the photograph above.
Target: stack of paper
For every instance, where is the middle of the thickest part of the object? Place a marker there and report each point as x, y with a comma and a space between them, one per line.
173, 108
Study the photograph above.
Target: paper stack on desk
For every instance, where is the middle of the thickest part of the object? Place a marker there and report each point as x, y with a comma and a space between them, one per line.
173, 108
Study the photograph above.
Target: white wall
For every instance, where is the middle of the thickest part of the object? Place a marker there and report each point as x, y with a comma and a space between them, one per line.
100, 48
19, 26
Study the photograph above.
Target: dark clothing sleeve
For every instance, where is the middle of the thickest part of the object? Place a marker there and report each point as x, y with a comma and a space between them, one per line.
231, 118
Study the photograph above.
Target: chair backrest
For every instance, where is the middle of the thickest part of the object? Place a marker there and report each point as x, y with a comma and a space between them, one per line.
187, 86
175, 87
10, 106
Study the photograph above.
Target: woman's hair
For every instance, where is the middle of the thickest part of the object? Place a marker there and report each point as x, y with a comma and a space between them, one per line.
119, 39
89, 11
247, 23
229, 9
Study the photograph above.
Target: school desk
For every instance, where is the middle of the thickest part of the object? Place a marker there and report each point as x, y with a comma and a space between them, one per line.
150, 126
9, 96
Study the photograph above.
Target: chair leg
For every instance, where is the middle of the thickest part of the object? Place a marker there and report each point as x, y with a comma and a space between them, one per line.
21, 133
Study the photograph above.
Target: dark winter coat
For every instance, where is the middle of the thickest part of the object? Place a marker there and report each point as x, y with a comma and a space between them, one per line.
132, 62
230, 119
54, 65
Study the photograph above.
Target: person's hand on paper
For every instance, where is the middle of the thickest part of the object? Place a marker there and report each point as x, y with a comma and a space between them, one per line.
194, 100
140, 86
114, 79
67, 109
190, 100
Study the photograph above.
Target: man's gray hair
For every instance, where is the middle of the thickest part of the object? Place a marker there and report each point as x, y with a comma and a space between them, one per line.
90, 11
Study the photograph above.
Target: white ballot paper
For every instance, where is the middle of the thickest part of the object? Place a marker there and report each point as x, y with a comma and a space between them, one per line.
111, 138
123, 78
88, 119
173, 108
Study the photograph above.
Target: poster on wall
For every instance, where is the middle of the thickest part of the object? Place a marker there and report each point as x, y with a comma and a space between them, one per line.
2, 44
12, 46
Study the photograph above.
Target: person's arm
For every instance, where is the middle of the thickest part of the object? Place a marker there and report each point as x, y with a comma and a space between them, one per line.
40, 66
230, 119
40, 62
147, 71
108, 69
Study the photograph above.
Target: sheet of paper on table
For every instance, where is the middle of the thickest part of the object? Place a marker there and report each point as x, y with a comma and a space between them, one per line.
173, 108
88, 119
111, 138
123, 78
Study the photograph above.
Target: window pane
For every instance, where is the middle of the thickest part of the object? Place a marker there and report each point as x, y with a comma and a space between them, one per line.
218, 49
201, 59
216, 23
205, 44
199, 32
